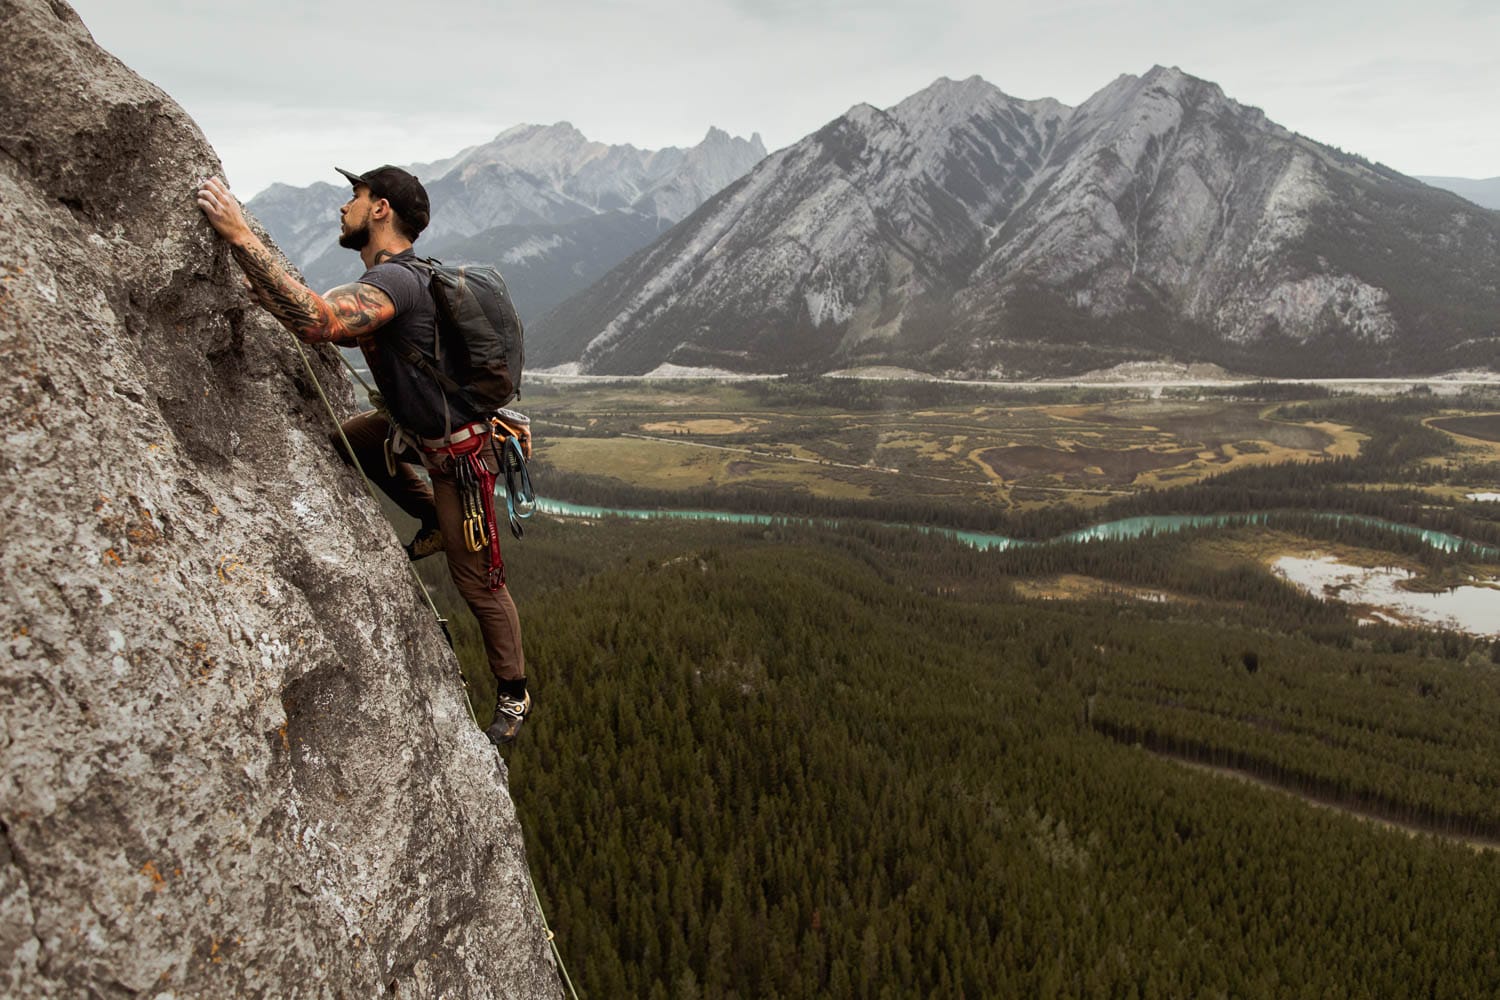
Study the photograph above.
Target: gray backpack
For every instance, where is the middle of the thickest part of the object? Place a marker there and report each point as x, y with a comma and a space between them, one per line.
478, 323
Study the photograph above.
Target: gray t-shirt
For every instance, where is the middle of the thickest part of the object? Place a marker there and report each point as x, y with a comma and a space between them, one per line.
414, 398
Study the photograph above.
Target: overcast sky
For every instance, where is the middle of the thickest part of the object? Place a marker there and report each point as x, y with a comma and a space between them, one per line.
286, 89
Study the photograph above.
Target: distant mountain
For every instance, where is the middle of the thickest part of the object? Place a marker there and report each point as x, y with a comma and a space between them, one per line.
1485, 193
964, 231
544, 264
552, 208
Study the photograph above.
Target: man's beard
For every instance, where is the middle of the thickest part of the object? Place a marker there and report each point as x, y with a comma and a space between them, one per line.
355, 239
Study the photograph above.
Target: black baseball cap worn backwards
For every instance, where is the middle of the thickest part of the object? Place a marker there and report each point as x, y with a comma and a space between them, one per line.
405, 193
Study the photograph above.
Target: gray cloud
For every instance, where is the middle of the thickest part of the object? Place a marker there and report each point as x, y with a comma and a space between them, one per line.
280, 87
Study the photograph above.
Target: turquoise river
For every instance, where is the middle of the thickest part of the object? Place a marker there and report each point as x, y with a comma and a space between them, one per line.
1130, 527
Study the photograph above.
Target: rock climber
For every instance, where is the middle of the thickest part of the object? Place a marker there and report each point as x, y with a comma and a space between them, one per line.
386, 312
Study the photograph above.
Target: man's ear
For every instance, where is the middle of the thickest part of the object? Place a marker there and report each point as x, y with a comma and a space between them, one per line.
380, 209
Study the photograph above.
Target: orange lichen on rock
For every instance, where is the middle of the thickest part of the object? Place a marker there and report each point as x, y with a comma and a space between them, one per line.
158, 881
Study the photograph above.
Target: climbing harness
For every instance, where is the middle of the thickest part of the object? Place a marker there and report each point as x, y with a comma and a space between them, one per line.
511, 432
463, 453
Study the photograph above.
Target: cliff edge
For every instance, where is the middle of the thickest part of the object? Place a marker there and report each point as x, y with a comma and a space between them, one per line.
235, 755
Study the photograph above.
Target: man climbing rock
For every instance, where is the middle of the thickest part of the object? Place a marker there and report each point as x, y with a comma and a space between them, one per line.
390, 314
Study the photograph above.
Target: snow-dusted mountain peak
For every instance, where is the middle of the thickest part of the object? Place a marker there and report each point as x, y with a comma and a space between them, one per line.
973, 85
963, 229
556, 150
1158, 81
1108, 102
946, 102
860, 113
525, 130
718, 138
541, 184
1168, 76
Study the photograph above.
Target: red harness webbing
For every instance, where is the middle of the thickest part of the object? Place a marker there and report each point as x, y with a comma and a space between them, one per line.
477, 477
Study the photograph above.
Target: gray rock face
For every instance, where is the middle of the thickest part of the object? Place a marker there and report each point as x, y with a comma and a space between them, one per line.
235, 755
966, 232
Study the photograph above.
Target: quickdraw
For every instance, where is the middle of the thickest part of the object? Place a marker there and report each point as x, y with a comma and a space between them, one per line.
471, 492
476, 493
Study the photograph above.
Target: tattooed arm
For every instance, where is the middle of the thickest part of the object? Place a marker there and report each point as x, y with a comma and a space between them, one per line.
343, 314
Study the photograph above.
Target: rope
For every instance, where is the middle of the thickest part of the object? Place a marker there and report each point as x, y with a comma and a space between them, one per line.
352, 370
370, 489
520, 498
552, 940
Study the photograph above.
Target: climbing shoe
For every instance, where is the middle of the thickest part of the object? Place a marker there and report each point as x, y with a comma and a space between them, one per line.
429, 542
509, 714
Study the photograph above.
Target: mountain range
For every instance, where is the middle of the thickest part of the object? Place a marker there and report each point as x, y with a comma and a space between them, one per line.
553, 209
1480, 192
967, 232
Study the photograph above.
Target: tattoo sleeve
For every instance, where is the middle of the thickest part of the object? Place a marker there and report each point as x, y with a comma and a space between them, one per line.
346, 312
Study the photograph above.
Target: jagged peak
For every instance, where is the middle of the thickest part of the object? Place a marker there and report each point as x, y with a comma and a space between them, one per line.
277, 189
720, 137
526, 130
947, 93
1127, 88
1171, 79
1184, 84
1166, 74
972, 84
862, 114
948, 105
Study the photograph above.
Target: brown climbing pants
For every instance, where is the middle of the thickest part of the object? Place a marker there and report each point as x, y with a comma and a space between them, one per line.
440, 505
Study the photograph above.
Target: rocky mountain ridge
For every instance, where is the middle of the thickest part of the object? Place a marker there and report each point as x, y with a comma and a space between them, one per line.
553, 208
236, 757
1484, 192
969, 233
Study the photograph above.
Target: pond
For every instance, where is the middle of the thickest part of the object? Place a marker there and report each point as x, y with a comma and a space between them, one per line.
1466, 609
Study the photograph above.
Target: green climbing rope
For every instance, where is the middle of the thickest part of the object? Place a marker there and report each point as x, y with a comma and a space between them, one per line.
552, 940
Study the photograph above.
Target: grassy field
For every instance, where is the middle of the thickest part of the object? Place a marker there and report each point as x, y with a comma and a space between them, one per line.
1008, 452
1479, 427
1036, 465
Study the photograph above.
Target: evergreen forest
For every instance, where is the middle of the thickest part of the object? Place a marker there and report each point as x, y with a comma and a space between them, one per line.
853, 761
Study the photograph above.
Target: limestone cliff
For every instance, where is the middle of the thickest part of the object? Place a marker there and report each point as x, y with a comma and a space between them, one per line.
235, 756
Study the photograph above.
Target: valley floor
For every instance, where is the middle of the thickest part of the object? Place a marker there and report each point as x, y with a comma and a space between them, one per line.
796, 759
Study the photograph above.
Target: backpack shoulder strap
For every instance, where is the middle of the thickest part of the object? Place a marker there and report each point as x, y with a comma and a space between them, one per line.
412, 356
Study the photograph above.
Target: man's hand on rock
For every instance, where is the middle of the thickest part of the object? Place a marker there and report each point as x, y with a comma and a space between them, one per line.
223, 211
